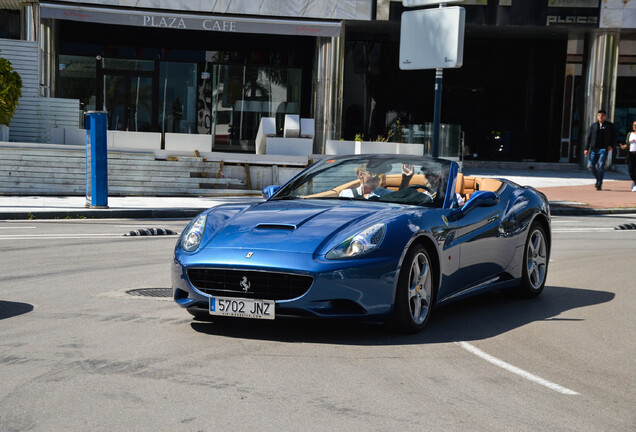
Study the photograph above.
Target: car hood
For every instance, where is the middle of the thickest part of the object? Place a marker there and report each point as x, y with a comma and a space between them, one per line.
294, 226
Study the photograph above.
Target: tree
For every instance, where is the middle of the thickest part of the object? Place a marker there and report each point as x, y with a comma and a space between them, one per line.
10, 91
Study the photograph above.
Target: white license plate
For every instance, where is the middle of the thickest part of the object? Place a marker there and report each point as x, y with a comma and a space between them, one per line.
242, 307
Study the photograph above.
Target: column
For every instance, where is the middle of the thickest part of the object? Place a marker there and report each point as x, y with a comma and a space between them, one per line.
600, 76
48, 57
328, 91
29, 21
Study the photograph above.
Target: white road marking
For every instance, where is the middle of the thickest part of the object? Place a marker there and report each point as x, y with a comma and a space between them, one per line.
73, 236
515, 370
135, 225
61, 237
583, 229
19, 227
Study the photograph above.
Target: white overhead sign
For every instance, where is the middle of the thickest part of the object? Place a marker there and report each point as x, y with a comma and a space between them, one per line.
432, 38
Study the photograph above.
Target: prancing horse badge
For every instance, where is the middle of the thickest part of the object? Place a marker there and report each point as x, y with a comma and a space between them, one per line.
249, 255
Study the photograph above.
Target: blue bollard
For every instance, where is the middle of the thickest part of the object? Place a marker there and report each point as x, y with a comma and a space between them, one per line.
96, 122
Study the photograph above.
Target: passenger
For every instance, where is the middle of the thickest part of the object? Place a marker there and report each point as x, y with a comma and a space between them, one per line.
433, 181
370, 179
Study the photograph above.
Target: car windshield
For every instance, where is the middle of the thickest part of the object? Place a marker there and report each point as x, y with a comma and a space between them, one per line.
400, 179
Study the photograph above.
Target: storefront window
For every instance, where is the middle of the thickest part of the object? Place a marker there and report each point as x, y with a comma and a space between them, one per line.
128, 65
233, 99
9, 24
77, 80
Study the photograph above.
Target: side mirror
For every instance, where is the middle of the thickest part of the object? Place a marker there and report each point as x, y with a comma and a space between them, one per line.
481, 199
269, 191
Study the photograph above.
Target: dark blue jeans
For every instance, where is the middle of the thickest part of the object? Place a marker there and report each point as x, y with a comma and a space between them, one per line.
596, 162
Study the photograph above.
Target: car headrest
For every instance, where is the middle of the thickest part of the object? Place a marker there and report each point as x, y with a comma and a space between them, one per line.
459, 185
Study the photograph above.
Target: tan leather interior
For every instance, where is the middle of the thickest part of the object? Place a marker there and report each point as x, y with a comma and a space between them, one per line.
393, 181
465, 185
459, 185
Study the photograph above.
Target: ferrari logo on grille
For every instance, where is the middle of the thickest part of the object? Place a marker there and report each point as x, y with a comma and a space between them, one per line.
249, 255
245, 284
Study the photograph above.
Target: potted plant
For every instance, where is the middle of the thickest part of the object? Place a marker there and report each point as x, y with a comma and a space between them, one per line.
10, 93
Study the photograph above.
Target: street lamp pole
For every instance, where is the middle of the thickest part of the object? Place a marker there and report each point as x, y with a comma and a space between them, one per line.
437, 107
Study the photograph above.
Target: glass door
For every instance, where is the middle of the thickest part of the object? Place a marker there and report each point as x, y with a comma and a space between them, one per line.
115, 91
128, 100
140, 104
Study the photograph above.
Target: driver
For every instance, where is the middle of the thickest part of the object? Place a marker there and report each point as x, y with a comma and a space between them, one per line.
370, 179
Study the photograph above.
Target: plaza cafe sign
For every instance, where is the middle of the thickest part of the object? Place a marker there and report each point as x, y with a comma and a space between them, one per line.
191, 22
180, 23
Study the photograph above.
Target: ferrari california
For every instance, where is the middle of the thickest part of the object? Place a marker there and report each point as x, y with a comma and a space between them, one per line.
383, 238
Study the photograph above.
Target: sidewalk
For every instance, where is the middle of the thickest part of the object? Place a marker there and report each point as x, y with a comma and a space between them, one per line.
569, 193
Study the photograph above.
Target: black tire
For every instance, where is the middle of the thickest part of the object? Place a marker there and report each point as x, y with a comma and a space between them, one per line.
535, 263
415, 292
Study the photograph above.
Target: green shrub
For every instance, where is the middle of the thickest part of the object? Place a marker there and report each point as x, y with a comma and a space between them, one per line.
10, 91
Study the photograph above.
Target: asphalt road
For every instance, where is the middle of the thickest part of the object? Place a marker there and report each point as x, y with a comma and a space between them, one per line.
78, 353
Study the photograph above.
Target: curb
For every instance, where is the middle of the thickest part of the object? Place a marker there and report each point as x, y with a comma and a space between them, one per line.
578, 211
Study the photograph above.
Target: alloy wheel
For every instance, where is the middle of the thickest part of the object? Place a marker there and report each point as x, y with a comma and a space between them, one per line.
420, 288
536, 259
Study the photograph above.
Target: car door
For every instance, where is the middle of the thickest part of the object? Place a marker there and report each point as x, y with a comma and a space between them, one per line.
486, 242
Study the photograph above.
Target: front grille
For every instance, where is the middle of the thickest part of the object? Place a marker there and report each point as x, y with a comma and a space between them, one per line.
262, 285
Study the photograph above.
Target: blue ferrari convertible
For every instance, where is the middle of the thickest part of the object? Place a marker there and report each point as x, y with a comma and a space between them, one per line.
372, 237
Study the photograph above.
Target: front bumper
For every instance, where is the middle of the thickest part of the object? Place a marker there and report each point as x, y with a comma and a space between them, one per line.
352, 288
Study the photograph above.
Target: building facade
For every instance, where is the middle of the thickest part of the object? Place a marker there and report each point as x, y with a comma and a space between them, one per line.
534, 73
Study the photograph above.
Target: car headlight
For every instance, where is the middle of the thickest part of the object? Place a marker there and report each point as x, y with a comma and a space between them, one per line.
192, 236
361, 243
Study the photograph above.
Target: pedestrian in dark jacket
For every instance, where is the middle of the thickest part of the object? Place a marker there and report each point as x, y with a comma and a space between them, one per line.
601, 138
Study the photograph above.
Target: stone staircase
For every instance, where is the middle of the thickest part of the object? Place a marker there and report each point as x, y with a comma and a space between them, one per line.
41, 171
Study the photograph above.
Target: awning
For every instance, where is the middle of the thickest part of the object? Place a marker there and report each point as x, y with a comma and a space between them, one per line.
180, 21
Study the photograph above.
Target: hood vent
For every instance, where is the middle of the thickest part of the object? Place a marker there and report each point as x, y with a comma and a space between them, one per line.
284, 227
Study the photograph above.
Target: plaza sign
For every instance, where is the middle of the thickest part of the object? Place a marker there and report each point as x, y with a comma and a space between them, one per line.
180, 23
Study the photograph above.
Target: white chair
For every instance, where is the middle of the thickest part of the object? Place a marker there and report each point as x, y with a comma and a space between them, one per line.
291, 129
307, 128
266, 128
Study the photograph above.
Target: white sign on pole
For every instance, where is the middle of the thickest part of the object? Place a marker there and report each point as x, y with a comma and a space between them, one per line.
432, 38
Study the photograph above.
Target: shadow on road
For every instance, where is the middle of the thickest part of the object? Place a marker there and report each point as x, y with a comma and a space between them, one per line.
10, 309
476, 318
